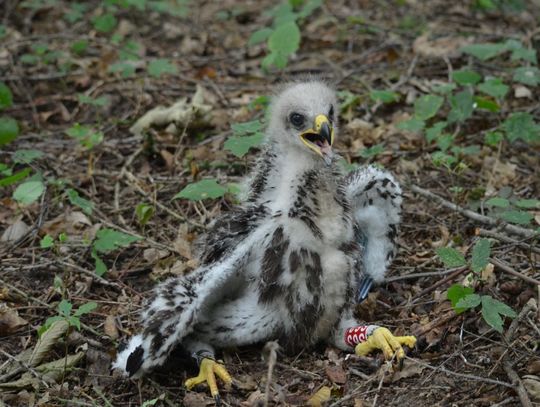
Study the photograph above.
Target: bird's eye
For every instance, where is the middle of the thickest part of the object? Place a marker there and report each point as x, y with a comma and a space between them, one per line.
297, 120
331, 113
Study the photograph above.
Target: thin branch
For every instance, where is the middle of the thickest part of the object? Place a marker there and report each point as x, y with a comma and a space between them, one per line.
506, 268
507, 239
486, 220
91, 274
463, 375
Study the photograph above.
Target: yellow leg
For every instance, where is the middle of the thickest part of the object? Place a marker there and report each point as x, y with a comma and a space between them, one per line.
207, 373
384, 340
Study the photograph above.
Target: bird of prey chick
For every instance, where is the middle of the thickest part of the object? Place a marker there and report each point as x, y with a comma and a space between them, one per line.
286, 264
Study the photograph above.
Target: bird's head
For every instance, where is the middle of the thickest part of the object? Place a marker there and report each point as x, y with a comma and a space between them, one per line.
303, 117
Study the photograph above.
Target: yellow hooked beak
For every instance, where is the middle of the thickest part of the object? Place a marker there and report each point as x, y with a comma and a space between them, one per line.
320, 138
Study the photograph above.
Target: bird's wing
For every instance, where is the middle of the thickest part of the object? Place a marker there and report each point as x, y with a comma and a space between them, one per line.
178, 303
375, 199
228, 231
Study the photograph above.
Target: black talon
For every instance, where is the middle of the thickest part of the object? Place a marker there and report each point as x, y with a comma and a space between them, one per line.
217, 399
363, 288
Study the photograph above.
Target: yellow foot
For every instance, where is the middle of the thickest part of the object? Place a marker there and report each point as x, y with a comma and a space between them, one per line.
383, 339
208, 370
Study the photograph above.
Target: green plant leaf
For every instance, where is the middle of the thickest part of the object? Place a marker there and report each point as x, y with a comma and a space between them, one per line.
493, 138
492, 310
100, 101
435, 131
75, 12
444, 89
440, 158
455, 293
85, 309
79, 47
480, 255
347, 100
242, 129
13, 179
372, 151
149, 403
450, 257
9, 130
468, 301
159, 67
144, 212
309, 7
414, 125
28, 192
462, 104
529, 75
6, 97
498, 202
285, 39
528, 204
445, 141
486, 104
100, 267
105, 23
86, 135
466, 77
259, 36
522, 126
75, 199
26, 156
64, 307
427, 106
125, 69
204, 189
384, 96
239, 146
277, 59
524, 54
494, 87
46, 242
518, 217
108, 240
484, 51
74, 321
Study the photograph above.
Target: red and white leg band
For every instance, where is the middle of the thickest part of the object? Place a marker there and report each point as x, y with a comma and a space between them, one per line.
357, 334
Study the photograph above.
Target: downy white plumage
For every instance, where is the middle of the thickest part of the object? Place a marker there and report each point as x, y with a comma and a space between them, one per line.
285, 265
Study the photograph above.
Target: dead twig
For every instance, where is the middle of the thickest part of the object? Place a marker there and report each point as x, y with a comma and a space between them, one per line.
507, 364
24, 366
270, 349
462, 375
451, 277
91, 274
506, 268
486, 220
507, 239
520, 389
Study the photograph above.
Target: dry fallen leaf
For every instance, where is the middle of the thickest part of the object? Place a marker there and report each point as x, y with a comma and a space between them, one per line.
320, 397
182, 113
409, 369
532, 385
68, 222
10, 321
182, 243
439, 47
109, 327
15, 231
336, 374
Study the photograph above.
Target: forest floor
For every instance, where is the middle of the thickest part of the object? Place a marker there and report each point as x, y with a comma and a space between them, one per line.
57, 64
